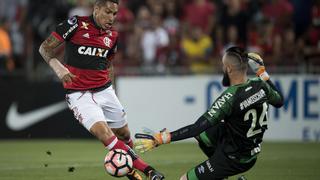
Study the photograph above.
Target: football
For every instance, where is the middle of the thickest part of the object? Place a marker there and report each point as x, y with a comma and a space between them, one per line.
118, 163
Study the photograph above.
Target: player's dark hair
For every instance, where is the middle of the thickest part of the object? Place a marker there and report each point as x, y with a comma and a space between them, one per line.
102, 2
240, 54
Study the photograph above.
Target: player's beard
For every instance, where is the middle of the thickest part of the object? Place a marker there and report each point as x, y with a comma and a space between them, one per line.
225, 79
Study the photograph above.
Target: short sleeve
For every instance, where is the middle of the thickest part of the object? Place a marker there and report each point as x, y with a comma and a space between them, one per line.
66, 29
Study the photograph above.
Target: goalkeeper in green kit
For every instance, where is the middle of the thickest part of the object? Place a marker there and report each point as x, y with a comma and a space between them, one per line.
230, 132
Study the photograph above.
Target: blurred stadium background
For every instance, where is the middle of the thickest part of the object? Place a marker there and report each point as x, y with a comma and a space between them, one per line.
168, 72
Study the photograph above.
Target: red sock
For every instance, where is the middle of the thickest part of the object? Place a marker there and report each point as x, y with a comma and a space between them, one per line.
114, 143
130, 143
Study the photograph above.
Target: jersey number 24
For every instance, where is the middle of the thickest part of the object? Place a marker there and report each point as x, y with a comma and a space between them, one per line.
263, 118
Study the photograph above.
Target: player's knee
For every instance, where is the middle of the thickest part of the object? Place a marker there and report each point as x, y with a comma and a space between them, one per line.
124, 136
101, 130
184, 177
123, 133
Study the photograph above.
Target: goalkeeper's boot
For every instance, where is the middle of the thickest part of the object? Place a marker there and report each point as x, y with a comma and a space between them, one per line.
134, 175
155, 175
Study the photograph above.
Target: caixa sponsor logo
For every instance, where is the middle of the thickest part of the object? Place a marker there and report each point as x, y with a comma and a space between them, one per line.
91, 51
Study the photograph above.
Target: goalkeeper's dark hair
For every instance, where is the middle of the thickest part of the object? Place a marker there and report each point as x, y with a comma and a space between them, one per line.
240, 54
103, 2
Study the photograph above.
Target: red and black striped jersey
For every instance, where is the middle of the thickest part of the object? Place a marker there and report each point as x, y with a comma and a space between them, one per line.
89, 51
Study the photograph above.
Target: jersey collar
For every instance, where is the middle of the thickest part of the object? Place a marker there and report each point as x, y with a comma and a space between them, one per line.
108, 32
94, 22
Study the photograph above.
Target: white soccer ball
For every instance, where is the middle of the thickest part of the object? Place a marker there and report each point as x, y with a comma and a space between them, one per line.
118, 163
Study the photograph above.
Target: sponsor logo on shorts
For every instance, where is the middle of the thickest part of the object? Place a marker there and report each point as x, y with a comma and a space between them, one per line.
201, 169
209, 166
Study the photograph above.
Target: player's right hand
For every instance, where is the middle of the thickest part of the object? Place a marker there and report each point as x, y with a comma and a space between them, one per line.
256, 64
149, 139
67, 78
62, 72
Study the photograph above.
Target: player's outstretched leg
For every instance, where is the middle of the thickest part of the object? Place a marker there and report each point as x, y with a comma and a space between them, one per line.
101, 130
123, 134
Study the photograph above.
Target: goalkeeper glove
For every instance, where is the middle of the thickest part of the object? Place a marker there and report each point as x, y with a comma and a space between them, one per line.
149, 139
256, 64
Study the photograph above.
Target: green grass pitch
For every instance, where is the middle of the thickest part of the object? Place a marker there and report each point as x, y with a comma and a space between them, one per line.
31, 160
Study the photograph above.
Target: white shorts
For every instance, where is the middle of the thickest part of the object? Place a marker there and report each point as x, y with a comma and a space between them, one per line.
91, 107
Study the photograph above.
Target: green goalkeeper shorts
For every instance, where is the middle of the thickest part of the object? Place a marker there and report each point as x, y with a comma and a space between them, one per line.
218, 166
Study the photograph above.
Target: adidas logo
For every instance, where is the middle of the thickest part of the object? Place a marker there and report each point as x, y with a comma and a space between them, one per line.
86, 35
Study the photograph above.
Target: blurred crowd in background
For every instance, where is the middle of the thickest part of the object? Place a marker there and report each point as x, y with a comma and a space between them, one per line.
172, 36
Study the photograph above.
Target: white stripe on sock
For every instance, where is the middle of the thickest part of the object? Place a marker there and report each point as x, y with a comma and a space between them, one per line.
112, 144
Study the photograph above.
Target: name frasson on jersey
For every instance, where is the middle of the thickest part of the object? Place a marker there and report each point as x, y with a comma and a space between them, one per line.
252, 99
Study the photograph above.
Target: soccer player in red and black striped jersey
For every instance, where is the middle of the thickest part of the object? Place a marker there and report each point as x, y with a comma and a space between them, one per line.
86, 74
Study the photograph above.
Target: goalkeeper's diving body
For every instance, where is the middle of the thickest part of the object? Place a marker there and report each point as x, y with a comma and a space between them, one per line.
230, 132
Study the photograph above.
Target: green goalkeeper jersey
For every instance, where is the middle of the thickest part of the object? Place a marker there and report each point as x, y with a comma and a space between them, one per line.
243, 110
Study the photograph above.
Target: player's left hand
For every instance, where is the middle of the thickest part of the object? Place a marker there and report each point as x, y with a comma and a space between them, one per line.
256, 64
149, 139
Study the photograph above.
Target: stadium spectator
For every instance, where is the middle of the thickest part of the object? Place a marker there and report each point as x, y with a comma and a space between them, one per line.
154, 38
133, 47
234, 14
199, 13
197, 48
6, 62
174, 55
171, 22
156, 7
279, 12
302, 16
124, 25
81, 8
288, 55
253, 39
311, 41
10, 9
232, 38
14, 11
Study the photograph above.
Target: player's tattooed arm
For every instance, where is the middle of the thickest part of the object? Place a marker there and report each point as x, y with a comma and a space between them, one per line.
47, 48
47, 51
